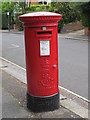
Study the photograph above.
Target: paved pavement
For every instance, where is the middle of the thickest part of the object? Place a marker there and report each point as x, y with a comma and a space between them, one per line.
14, 102
73, 55
12, 31
75, 35
70, 101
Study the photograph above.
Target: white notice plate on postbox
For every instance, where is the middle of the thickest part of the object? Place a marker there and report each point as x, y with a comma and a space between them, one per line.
44, 47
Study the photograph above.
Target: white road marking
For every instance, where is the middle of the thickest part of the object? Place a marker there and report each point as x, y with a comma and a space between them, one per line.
74, 94
14, 46
59, 86
12, 63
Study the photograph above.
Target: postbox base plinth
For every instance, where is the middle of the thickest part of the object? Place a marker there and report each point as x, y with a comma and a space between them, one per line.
42, 104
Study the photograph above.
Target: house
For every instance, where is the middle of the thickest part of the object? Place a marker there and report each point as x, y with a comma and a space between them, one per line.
44, 1
33, 2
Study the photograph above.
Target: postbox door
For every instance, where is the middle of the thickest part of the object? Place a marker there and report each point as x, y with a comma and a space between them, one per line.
42, 62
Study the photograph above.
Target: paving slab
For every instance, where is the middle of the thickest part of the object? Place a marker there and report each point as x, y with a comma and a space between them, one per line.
11, 108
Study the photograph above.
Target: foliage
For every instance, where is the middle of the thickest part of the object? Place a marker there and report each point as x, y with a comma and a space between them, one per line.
37, 8
20, 7
4, 21
68, 11
7, 6
10, 7
20, 25
85, 14
71, 12
84, 20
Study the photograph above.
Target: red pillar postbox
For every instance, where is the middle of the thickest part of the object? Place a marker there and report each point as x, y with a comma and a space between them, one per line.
41, 47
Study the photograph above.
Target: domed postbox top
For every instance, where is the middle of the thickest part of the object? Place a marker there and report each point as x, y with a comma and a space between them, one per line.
40, 17
40, 14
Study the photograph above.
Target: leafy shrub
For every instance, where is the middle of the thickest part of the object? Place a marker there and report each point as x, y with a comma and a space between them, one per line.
69, 14
85, 16
84, 20
20, 25
37, 8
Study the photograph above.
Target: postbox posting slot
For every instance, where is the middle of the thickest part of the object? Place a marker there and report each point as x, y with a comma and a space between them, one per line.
44, 33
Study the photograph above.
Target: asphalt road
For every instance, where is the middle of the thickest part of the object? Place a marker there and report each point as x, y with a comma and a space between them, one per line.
73, 60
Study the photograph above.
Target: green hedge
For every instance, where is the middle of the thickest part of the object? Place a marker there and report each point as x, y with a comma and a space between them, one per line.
4, 21
85, 14
84, 20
